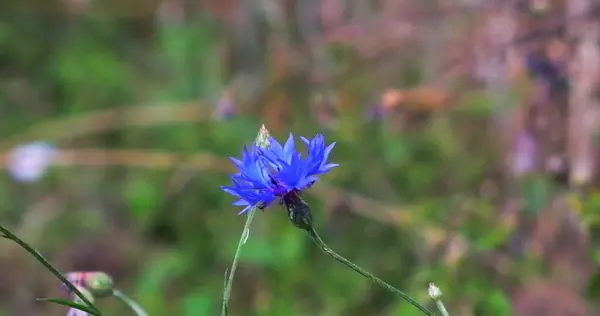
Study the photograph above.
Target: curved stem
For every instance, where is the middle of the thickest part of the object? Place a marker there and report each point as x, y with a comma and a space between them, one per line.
139, 311
236, 257
319, 242
9, 235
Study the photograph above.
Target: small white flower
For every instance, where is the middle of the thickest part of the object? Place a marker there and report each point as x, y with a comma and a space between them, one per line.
29, 162
434, 292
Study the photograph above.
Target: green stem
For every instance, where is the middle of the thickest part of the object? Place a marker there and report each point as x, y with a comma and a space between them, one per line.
441, 307
9, 235
139, 311
319, 242
236, 257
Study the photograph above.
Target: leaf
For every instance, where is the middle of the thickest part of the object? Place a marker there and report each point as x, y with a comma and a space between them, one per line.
71, 304
197, 303
537, 192
499, 303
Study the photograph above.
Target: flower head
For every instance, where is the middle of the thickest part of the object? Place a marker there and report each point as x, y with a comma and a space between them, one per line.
98, 283
29, 162
275, 171
77, 278
434, 291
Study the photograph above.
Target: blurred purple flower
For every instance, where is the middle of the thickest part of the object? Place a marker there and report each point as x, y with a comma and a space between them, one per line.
225, 107
77, 278
377, 112
29, 162
523, 154
551, 75
387, 101
76, 312
85, 292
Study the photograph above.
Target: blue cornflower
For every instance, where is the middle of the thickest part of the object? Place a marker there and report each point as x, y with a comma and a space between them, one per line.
266, 174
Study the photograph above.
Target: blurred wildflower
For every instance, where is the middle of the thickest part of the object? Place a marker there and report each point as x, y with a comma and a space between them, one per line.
77, 278
77, 312
279, 172
29, 162
99, 284
376, 112
225, 107
523, 156
551, 74
387, 101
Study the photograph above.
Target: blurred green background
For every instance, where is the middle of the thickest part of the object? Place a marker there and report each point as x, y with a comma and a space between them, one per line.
146, 100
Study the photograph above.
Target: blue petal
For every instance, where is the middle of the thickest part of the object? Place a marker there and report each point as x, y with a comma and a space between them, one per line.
240, 203
245, 210
238, 163
289, 149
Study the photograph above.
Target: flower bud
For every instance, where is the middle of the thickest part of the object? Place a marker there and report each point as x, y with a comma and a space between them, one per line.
263, 137
434, 292
298, 211
99, 284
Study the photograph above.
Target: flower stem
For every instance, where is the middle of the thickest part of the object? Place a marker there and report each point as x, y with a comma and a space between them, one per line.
236, 257
323, 247
139, 311
441, 307
9, 235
